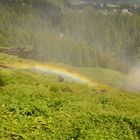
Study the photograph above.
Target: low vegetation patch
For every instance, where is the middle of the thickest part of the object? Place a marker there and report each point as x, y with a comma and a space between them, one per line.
36, 107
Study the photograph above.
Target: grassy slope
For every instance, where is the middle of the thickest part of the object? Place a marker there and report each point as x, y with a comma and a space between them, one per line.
36, 107
105, 76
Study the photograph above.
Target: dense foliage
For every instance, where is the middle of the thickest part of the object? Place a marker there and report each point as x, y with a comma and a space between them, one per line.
37, 107
34, 106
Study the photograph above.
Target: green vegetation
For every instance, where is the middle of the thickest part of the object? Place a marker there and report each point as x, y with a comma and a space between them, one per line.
34, 106
105, 76
50, 31
101, 46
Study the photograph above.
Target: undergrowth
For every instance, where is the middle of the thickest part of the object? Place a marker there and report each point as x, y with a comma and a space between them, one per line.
36, 107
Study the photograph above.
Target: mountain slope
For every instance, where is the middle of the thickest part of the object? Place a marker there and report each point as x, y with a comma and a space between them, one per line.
45, 31
33, 106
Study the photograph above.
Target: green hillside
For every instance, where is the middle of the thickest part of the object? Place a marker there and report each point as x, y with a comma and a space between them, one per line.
105, 76
34, 106
69, 71
47, 30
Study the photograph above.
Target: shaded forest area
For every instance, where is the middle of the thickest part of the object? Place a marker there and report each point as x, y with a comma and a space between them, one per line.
48, 30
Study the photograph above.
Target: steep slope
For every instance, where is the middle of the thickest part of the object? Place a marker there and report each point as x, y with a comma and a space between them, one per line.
105, 76
44, 30
33, 106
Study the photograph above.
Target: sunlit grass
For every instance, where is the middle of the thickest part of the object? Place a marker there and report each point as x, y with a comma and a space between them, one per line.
34, 106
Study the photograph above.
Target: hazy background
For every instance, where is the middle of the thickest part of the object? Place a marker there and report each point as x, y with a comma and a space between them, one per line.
81, 33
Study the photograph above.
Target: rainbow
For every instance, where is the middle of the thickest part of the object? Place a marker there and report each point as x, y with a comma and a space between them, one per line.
64, 72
